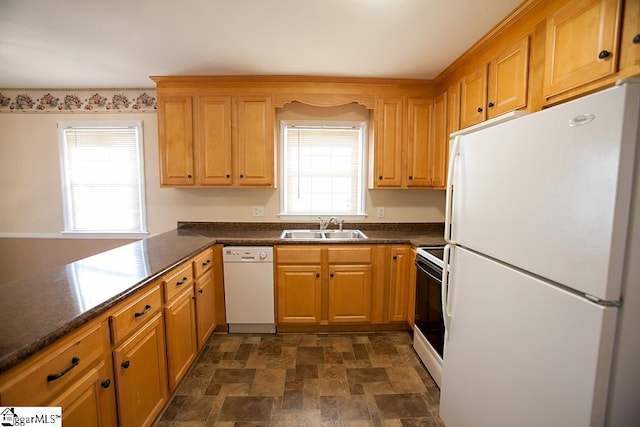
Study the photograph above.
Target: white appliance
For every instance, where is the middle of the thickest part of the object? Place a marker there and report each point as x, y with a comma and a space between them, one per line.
542, 302
248, 289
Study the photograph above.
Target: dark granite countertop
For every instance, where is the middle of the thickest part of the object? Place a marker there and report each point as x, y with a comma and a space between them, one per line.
37, 311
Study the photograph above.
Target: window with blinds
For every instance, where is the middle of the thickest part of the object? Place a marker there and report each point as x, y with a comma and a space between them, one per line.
322, 170
102, 177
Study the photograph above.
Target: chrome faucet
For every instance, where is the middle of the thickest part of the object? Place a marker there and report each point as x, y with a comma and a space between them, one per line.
333, 220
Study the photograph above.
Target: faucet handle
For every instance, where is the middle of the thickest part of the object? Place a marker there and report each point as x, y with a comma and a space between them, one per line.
323, 224
341, 224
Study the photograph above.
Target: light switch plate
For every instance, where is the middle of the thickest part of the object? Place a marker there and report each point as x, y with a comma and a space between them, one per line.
258, 211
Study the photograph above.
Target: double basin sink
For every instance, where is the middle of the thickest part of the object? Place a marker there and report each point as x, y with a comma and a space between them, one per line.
323, 235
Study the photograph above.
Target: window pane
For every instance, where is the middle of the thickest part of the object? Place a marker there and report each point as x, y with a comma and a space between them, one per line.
322, 170
103, 179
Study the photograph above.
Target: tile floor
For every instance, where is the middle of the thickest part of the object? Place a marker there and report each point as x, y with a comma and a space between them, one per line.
306, 380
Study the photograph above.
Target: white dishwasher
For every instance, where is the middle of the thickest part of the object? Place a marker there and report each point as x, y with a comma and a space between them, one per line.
248, 289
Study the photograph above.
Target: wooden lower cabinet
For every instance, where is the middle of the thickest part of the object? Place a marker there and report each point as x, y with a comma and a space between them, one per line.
90, 401
399, 283
299, 293
182, 347
411, 300
349, 293
141, 375
205, 307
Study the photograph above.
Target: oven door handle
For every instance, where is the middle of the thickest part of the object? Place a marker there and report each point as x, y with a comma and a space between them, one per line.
421, 266
446, 291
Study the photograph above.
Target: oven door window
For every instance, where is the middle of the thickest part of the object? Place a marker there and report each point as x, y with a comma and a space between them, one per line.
428, 312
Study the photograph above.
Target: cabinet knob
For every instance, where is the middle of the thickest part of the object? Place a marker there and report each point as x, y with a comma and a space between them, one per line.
241, 175
491, 105
636, 39
331, 275
189, 176
380, 177
410, 176
479, 109
125, 364
395, 257
317, 275
227, 176
604, 54
200, 291
106, 383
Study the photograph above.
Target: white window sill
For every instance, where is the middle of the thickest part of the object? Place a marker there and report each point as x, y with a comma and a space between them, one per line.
104, 235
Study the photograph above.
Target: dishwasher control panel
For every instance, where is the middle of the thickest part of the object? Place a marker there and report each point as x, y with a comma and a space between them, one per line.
247, 254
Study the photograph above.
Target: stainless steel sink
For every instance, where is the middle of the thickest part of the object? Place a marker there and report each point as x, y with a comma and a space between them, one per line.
344, 234
323, 235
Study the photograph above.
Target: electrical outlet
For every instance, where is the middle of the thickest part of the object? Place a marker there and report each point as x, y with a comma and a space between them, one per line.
380, 212
258, 211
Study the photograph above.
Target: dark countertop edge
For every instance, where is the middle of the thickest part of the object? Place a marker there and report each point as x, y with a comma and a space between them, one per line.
15, 357
203, 229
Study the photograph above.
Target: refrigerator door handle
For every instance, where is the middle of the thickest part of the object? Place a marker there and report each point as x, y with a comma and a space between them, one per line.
445, 290
449, 200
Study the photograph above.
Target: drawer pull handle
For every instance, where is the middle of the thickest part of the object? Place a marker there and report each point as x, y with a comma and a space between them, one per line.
74, 362
106, 383
182, 282
126, 364
143, 312
604, 54
207, 262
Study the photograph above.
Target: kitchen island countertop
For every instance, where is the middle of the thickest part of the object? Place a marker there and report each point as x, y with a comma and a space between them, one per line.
37, 311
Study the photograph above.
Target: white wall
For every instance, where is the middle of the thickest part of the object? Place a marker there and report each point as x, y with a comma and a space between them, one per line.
31, 191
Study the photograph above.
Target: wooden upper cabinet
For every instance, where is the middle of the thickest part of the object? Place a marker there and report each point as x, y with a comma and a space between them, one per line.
497, 87
453, 108
214, 140
581, 44
630, 40
419, 156
255, 140
508, 73
473, 97
175, 137
439, 146
389, 116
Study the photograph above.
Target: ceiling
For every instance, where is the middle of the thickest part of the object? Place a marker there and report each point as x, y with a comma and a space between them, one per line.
120, 43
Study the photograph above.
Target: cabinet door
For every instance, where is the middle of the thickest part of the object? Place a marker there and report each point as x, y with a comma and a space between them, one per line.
388, 143
581, 44
205, 307
439, 142
255, 141
418, 149
411, 300
453, 109
141, 375
350, 293
90, 401
630, 41
473, 97
299, 293
508, 73
175, 138
214, 140
399, 284
182, 347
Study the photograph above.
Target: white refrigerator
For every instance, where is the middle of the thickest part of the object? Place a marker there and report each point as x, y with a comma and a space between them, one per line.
542, 298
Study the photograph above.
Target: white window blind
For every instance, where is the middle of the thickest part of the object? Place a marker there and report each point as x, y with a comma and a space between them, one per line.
322, 171
103, 179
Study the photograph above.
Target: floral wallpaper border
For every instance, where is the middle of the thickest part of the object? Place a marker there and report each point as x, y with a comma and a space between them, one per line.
78, 101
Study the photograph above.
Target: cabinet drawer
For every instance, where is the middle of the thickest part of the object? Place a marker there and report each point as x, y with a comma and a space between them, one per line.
203, 262
135, 313
298, 255
349, 255
177, 280
46, 376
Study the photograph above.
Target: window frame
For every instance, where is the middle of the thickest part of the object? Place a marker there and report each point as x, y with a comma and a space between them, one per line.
363, 126
65, 185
